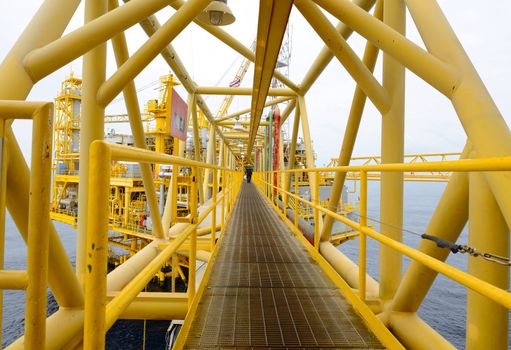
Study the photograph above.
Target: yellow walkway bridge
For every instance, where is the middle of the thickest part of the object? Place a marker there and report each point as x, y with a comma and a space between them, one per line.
264, 290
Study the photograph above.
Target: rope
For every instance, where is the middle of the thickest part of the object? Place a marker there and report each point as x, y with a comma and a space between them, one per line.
453, 247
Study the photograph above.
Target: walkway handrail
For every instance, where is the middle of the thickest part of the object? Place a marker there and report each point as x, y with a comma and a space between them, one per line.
498, 295
99, 316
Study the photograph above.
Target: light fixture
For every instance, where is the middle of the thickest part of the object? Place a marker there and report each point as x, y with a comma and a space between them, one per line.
237, 125
217, 13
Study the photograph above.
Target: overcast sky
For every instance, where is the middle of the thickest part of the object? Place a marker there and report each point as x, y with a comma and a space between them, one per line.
431, 124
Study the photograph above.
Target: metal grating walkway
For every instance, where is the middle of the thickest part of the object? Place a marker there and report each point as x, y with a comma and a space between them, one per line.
266, 292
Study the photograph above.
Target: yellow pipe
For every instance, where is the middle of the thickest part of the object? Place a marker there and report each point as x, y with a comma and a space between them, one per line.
350, 133
13, 279
325, 55
309, 152
392, 150
149, 50
362, 252
47, 59
155, 306
219, 90
137, 128
271, 27
3, 189
222, 121
415, 334
482, 121
196, 141
287, 111
92, 120
440, 75
126, 153
214, 199
38, 228
192, 260
292, 148
487, 321
97, 248
348, 58
347, 269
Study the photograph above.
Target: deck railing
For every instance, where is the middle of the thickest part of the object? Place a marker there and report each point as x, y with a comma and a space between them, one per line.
276, 189
100, 316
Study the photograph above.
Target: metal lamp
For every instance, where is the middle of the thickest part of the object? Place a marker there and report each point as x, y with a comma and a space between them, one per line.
217, 13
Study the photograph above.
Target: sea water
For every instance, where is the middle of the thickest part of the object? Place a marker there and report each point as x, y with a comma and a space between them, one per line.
443, 309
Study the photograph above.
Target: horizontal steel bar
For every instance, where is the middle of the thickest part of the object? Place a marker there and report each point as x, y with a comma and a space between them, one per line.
218, 90
13, 279
480, 164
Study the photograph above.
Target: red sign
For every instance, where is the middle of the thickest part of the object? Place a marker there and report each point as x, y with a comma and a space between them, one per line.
178, 117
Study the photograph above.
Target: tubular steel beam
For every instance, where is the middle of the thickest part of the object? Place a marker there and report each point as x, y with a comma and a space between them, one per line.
484, 125
487, 321
219, 90
137, 128
392, 151
325, 55
442, 76
92, 127
61, 277
150, 26
273, 18
348, 58
45, 60
229, 40
150, 49
350, 133
247, 110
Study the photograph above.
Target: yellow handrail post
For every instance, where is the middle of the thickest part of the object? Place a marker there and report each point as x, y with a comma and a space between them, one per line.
222, 213
362, 247
192, 259
213, 213
97, 247
316, 200
38, 229
295, 173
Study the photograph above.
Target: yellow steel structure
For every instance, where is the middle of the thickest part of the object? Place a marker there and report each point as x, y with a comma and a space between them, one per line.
407, 158
90, 300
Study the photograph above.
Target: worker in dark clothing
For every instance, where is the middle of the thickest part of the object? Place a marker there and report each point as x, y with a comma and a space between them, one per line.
248, 172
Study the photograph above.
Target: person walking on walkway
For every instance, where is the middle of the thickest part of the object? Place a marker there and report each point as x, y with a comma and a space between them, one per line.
248, 172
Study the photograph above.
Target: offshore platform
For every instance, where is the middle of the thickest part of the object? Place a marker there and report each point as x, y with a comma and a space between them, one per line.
149, 205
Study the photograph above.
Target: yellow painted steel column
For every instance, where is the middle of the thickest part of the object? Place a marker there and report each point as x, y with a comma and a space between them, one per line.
3, 189
316, 200
97, 248
137, 128
297, 203
210, 159
392, 151
292, 148
350, 133
92, 123
309, 152
213, 213
224, 194
192, 105
362, 237
192, 258
64, 285
487, 321
38, 230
